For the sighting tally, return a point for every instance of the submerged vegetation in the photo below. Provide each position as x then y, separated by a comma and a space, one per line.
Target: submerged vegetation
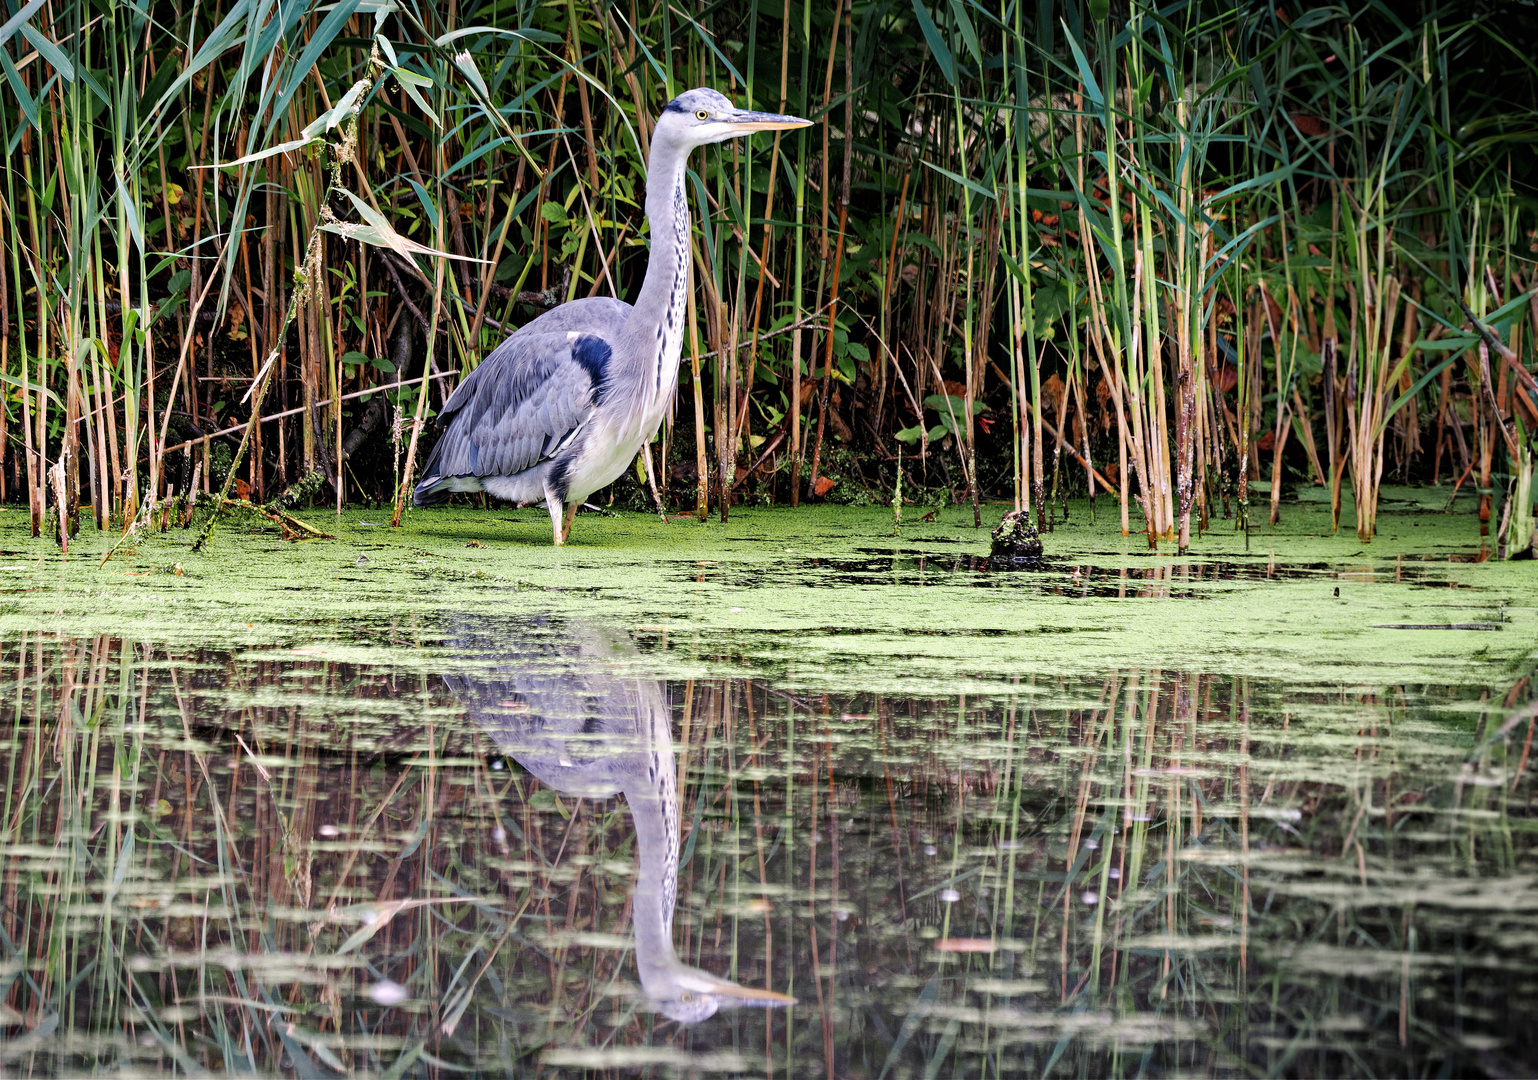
278, 861
1179, 256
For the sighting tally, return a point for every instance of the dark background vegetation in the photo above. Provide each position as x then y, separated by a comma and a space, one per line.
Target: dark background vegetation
1319, 270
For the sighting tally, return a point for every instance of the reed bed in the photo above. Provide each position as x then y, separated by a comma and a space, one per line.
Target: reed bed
1030, 250
217, 863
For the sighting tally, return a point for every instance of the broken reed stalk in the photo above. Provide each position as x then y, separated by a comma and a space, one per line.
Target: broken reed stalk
403, 489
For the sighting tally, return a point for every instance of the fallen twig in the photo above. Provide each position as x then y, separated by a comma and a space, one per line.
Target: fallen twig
290, 523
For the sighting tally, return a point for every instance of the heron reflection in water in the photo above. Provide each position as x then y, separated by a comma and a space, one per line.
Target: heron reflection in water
559, 707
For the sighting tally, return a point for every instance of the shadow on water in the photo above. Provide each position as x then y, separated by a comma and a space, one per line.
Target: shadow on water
546, 856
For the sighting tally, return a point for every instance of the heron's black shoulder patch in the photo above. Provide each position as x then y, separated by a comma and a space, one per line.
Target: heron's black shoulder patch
674, 106
593, 353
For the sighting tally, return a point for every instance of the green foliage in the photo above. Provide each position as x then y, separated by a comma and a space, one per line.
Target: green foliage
1071, 178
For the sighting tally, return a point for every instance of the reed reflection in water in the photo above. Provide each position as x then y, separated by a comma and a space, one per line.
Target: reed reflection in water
278, 862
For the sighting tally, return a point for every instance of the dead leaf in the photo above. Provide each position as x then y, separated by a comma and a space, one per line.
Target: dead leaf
1309, 124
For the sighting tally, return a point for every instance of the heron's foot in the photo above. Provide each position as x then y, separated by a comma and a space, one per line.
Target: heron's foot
557, 525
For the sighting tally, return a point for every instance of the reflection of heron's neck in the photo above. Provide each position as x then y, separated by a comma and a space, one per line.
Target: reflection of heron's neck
653, 801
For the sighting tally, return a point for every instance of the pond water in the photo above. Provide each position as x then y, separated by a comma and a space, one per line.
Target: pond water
793, 797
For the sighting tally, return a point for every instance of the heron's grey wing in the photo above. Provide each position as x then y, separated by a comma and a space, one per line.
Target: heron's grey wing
601, 315
522, 405
550, 701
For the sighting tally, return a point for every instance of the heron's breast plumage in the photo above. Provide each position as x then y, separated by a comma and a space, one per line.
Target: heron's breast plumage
671, 329
636, 393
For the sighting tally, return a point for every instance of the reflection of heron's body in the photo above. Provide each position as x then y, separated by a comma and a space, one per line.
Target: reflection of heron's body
558, 707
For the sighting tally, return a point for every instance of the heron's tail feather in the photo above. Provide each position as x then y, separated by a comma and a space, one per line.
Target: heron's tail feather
437, 489
437, 483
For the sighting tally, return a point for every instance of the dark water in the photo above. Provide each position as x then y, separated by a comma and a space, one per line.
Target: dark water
444, 851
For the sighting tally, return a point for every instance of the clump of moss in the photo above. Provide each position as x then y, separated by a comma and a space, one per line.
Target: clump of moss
1015, 541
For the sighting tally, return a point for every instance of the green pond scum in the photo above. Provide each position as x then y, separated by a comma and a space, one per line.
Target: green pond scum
445, 801
832, 586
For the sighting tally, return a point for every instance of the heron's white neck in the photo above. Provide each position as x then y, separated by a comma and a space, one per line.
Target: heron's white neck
654, 331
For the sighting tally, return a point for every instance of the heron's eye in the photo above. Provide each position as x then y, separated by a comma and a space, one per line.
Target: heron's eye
686, 996
702, 115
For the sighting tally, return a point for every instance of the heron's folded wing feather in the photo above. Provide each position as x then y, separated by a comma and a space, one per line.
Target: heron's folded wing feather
523, 403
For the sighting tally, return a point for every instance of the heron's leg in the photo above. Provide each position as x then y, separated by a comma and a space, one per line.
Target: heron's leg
554, 504
571, 515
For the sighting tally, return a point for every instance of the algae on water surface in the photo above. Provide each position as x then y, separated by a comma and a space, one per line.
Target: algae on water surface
305, 809
831, 591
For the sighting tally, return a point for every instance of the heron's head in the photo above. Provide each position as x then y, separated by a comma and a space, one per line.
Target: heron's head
697, 117
689, 995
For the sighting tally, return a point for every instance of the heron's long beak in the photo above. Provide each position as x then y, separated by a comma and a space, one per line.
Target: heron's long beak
743, 121
752, 995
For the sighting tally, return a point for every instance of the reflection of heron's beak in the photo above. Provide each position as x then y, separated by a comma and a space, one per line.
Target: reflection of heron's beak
744, 121
752, 995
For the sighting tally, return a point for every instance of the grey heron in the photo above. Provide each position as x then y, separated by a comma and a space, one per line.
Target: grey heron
560, 702
562, 406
